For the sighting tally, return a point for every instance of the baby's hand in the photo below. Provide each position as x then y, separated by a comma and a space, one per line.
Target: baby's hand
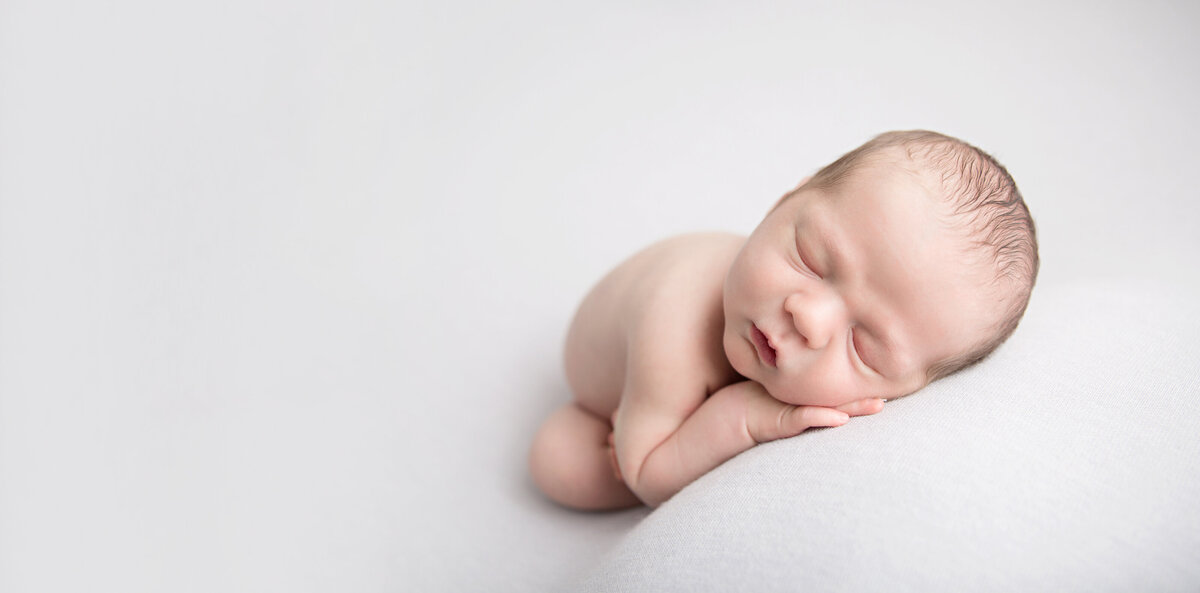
863, 407
732, 420
768, 419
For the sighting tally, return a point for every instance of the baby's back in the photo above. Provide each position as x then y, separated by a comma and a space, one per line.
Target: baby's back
667, 297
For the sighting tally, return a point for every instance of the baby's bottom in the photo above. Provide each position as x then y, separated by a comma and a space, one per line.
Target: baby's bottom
571, 462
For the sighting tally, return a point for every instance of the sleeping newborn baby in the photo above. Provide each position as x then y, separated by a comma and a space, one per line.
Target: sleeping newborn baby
905, 260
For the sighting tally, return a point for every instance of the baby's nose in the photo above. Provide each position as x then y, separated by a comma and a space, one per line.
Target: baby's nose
818, 316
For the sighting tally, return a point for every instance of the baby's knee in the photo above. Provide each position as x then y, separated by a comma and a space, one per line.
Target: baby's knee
545, 455
555, 454
570, 461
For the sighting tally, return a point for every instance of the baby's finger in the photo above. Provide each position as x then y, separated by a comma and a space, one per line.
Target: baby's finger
801, 418
862, 407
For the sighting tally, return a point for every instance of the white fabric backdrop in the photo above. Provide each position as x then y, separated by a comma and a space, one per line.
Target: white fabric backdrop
283, 284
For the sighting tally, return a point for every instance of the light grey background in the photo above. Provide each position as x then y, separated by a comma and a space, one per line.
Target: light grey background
283, 284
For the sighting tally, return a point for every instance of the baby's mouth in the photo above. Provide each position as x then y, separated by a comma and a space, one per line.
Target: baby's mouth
763, 345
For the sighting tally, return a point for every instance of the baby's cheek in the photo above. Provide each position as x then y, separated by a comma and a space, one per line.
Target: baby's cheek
751, 275
763, 279
737, 352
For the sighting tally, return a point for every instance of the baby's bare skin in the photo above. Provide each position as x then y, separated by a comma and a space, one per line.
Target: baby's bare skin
702, 346
645, 349
659, 311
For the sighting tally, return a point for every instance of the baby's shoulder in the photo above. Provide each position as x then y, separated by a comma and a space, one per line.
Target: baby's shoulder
679, 285
681, 269
676, 314
663, 289
702, 246
657, 314
693, 253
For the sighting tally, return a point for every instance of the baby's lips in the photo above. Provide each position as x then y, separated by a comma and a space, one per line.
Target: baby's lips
762, 345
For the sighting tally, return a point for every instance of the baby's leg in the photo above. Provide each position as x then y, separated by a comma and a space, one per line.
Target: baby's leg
571, 462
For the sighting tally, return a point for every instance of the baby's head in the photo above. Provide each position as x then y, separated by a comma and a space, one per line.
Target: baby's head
906, 260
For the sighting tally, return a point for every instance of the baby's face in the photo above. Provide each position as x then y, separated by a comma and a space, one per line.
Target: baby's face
852, 293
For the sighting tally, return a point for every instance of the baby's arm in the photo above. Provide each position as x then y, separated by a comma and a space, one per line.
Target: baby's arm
733, 419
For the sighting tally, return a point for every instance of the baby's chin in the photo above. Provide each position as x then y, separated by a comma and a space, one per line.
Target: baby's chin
786, 396
796, 395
